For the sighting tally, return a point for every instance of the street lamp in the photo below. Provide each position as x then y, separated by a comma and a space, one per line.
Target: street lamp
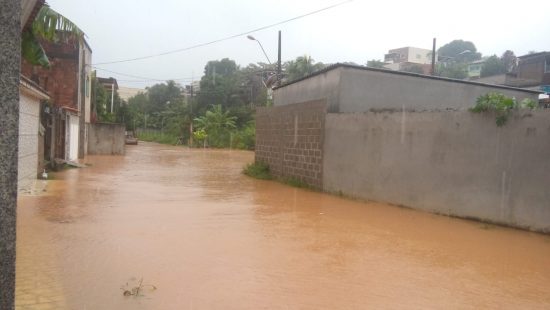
254, 39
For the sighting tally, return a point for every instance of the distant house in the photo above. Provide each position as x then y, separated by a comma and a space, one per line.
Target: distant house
111, 87
68, 83
402, 59
534, 70
474, 69
126, 93
31, 132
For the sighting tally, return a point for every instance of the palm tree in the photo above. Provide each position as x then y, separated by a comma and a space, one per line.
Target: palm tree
217, 124
302, 66
51, 26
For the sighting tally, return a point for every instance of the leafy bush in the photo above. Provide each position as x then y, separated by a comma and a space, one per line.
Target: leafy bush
501, 105
258, 170
245, 138
199, 138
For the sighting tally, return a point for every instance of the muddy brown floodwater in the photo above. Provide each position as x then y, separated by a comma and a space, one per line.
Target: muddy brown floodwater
208, 237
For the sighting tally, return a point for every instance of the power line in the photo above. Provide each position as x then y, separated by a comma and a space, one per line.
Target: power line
227, 38
142, 78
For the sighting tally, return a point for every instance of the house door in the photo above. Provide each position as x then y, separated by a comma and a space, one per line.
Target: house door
60, 126
73, 137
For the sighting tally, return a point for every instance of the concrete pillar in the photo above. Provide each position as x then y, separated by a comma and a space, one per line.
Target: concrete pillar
10, 55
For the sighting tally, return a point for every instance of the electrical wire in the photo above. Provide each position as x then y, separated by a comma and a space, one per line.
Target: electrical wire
142, 78
226, 38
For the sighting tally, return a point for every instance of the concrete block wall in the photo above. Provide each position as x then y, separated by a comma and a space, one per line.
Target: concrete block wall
290, 140
106, 139
454, 163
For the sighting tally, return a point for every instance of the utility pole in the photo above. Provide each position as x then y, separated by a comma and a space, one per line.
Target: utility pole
191, 114
10, 60
112, 95
433, 58
279, 77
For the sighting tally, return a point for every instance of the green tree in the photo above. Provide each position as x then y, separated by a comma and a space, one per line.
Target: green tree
413, 68
459, 51
254, 79
300, 67
374, 63
493, 66
217, 124
221, 83
452, 70
51, 26
161, 96
509, 60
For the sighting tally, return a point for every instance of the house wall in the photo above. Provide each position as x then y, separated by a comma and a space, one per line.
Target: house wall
28, 157
532, 68
84, 96
324, 86
106, 139
349, 89
419, 55
61, 79
363, 90
290, 140
455, 162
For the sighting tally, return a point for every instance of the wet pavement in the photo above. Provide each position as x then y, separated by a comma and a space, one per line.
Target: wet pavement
200, 235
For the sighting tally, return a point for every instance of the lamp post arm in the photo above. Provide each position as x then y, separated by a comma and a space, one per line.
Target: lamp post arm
264, 51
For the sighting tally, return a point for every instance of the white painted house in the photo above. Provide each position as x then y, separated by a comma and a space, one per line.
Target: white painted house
30, 132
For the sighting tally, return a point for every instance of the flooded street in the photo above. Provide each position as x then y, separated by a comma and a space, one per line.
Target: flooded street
207, 237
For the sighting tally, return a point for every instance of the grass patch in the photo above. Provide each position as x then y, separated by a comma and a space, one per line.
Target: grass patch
164, 138
295, 182
258, 170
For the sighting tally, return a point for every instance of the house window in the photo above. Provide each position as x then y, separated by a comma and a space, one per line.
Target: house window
87, 86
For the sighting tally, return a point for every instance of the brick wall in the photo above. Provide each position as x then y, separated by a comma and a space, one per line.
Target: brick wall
290, 138
61, 79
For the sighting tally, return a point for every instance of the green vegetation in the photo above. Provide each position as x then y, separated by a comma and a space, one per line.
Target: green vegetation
459, 51
300, 67
258, 170
374, 63
245, 138
101, 103
220, 114
158, 137
218, 126
413, 69
501, 105
498, 65
454, 58
295, 182
51, 26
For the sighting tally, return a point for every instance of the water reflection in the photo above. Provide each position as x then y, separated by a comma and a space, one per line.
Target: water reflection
188, 222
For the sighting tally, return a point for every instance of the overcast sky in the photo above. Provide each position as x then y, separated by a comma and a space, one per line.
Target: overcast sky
356, 31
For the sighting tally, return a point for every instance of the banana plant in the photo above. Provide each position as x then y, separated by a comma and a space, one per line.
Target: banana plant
51, 26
